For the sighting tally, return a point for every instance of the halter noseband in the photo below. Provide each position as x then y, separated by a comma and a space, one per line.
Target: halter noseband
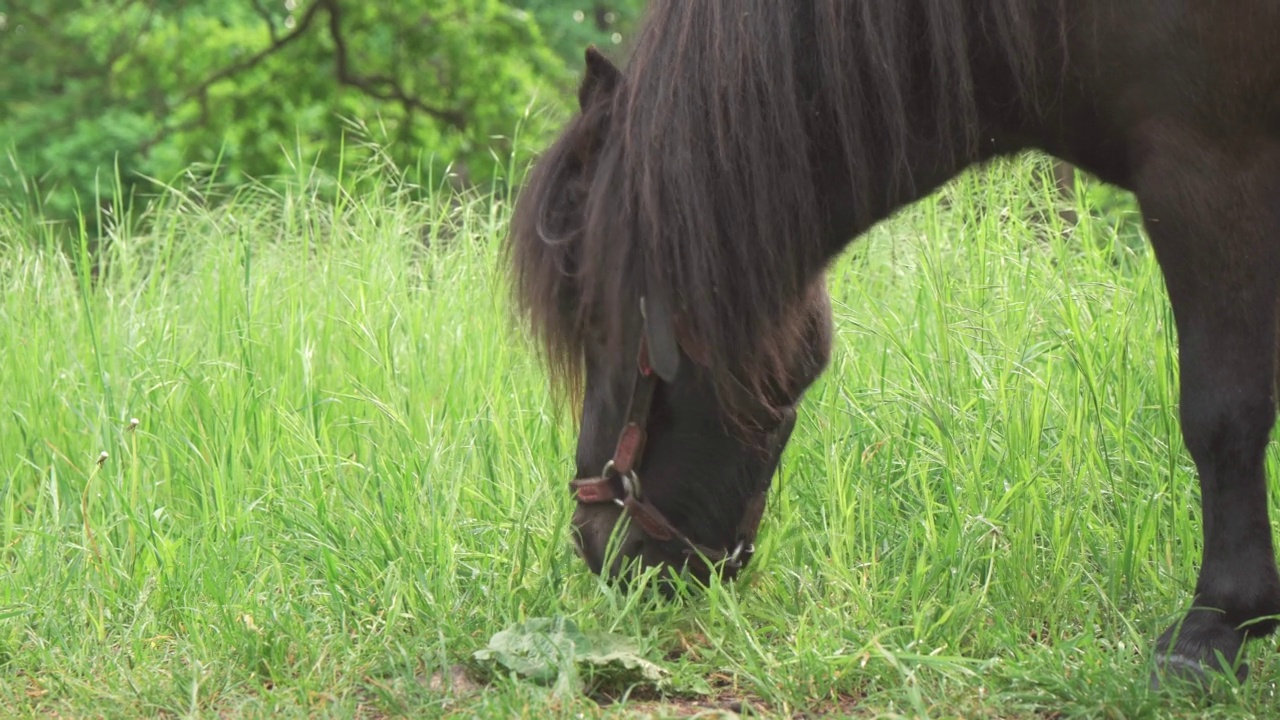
619, 482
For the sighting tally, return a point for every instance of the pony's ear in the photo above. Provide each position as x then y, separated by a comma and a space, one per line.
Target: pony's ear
660, 334
602, 78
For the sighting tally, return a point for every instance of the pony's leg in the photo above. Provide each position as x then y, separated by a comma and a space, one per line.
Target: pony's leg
1213, 216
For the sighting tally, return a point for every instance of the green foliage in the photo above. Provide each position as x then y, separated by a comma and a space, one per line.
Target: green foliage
133, 89
571, 25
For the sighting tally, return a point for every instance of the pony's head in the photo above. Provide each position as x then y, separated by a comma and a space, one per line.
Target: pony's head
674, 438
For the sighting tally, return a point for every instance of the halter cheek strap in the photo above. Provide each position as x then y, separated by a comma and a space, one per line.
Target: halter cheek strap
619, 482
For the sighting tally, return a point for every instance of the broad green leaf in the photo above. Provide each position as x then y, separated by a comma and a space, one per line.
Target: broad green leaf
556, 649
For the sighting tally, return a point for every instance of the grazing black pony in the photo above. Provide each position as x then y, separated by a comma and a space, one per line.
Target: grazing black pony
669, 247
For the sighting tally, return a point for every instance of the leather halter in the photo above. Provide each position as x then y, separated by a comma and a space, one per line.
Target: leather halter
619, 482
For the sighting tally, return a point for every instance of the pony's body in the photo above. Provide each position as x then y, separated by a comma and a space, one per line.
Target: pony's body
748, 142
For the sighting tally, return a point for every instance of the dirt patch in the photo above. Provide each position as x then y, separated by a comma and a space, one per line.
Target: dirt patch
726, 704
708, 708
454, 681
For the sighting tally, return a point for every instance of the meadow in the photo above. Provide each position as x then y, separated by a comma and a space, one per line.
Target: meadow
283, 456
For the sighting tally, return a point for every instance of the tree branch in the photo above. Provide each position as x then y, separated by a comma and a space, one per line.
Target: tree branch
377, 86
266, 15
248, 63
201, 91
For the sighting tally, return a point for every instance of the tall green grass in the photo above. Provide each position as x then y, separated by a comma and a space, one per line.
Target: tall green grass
346, 473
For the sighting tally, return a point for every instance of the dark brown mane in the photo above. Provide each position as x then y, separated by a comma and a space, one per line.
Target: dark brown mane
696, 176
545, 244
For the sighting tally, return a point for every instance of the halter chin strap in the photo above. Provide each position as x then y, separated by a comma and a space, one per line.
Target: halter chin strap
619, 483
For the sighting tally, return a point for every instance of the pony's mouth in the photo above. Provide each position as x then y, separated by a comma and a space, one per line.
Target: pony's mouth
592, 533
615, 546
601, 535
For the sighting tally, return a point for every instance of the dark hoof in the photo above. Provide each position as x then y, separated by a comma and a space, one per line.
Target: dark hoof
1197, 648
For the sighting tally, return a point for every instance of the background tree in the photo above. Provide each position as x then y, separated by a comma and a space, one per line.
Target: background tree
102, 95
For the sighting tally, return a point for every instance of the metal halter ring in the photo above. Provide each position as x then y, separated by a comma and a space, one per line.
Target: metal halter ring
735, 558
630, 482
